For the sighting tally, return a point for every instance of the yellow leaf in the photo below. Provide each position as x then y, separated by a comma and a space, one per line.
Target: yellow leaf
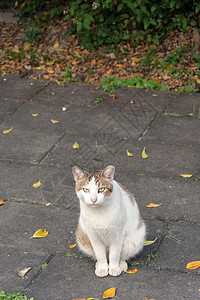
186, 175
50, 70
56, 45
132, 102
7, 131
34, 115
23, 272
76, 145
16, 4
50, 63
58, 82
153, 205
147, 243
110, 293
37, 184
92, 299
39, 233
26, 252
198, 80
144, 155
27, 46
54, 121
39, 68
48, 204
193, 265
71, 246
1, 202
128, 153
133, 271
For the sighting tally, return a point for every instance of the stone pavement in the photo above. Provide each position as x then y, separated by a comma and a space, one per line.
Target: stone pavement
167, 124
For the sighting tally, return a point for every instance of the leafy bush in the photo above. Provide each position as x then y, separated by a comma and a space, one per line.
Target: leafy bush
107, 22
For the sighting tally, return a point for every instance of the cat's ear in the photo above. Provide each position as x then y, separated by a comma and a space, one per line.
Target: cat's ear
109, 172
78, 173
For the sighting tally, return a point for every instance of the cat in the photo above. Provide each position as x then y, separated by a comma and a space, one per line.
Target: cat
110, 226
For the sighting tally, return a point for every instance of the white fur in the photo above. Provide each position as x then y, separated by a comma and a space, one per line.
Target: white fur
112, 227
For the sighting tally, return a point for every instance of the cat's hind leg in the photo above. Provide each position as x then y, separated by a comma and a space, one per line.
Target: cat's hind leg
84, 242
133, 244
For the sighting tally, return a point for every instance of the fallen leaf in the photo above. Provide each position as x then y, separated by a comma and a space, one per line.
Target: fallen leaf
26, 252
147, 243
144, 155
71, 246
54, 121
128, 153
92, 299
79, 299
153, 205
58, 82
132, 102
56, 45
22, 273
132, 271
198, 80
193, 265
37, 184
50, 70
76, 145
1, 202
186, 175
34, 115
112, 96
39, 233
64, 108
110, 293
48, 204
7, 131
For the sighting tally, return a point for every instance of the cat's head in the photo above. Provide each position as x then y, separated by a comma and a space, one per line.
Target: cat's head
94, 188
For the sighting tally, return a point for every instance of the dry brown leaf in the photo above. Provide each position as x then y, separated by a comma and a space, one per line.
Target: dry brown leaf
193, 265
112, 96
22, 273
110, 293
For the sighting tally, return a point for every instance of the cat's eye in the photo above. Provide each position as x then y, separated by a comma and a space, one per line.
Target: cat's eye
85, 190
101, 190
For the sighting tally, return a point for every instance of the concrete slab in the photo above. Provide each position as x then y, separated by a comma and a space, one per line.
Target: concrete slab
185, 103
175, 130
58, 281
18, 222
70, 94
13, 259
6, 108
140, 100
179, 247
20, 89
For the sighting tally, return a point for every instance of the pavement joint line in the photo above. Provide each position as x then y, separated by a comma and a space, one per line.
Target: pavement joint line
154, 119
38, 273
12, 112
52, 147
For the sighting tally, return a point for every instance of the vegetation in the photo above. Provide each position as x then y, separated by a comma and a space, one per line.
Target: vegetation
13, 296
119, 28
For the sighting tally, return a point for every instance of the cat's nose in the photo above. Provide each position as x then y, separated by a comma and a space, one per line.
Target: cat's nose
94, 200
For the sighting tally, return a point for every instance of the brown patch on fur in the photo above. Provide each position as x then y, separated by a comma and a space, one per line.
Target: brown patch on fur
83, 240
140, 222
100, 180
128, 192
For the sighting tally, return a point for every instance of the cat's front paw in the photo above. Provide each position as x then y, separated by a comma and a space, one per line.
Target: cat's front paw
101, 272
116, 271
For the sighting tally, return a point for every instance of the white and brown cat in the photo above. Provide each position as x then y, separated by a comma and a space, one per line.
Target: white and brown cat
110, 226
